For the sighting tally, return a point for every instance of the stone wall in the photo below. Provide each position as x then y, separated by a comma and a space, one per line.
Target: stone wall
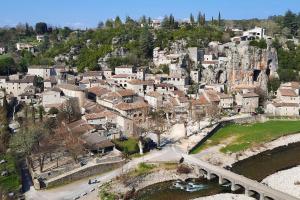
83, 172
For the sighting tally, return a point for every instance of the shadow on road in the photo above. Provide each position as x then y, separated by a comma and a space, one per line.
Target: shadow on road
26, 178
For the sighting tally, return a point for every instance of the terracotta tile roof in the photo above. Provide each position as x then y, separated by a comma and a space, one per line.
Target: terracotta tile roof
249, 95
203, 100
52, 79
78, 127
26, 79
288, 92
94, 141
98, 91
121, 76
183, 99
179, 93
88, 81
124, 66
212, 95
282, 104
224, 96
210, 62
126, 92
154, 94
92, 107
164, 85
140, 82
100, 115
295, 85
131, 106
69, 87
93, 73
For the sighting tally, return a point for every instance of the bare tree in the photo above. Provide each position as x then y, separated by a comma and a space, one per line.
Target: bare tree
71, 109
158, 123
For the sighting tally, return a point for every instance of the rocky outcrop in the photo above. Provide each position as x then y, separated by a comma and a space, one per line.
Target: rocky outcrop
246, 66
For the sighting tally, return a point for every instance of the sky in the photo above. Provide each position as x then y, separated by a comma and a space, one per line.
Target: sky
87, 13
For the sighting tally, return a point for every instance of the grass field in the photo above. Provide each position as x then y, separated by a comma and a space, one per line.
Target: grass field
241, 137
131, 144
12, 181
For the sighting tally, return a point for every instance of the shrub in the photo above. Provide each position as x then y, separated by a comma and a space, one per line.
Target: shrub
53, 111
183, 169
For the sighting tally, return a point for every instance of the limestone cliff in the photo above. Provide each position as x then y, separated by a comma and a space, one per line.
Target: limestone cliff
245, 66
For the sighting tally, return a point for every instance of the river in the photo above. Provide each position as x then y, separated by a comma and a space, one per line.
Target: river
256, 167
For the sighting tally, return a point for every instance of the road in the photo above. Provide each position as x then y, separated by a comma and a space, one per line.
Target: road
77, 188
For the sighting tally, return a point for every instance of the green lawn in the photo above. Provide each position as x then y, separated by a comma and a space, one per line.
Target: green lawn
11, 182
241, 137
131, 144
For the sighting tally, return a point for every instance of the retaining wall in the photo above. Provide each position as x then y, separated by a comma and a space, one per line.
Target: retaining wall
83, 172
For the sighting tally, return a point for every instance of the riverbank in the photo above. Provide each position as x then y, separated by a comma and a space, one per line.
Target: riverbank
145, 175
214, 155
287, 181
226, 197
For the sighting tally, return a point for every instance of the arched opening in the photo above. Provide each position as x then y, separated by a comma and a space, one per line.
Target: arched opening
256, 73
254, 194
239, 188
224, 182
213, 176
203, 171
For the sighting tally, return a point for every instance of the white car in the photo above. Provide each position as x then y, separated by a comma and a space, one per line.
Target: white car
92, 190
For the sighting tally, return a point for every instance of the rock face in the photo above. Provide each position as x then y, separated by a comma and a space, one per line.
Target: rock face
246, 66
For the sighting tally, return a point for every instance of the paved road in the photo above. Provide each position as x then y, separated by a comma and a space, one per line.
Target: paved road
77, 188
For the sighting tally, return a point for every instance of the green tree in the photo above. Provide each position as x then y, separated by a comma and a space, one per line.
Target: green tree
219, 19
146, 43
192, 19
53, 111
41, 113
118, 22
273, 84
41, 28
7, 65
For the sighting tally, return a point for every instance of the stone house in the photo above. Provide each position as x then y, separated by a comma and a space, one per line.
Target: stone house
247, 102
24, 46
70, 90
154, 99
29, 95
283, 109
124, 69
96, 143
52, 98
136, 111
92, 75
110, 99
122, 79
88, 83
164, 88
288, 95
178, 81
50, 82
140, 87
15, 85
42, 71
101, 118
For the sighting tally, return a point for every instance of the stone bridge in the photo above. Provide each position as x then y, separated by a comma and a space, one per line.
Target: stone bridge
236, 181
